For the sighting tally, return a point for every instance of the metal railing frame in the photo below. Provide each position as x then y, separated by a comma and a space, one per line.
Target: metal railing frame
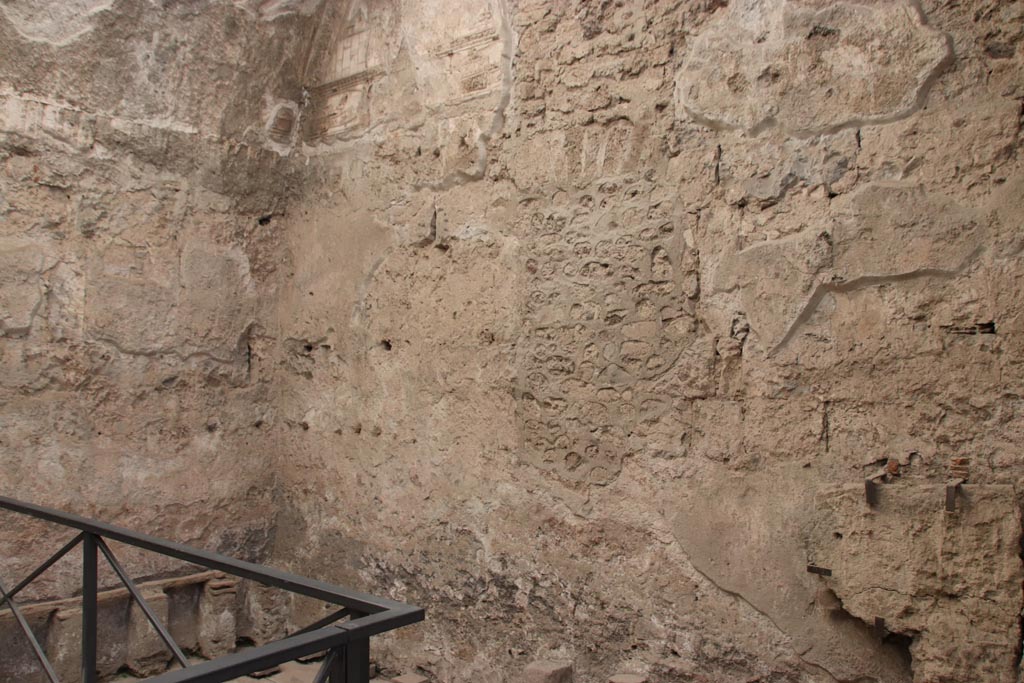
347, 644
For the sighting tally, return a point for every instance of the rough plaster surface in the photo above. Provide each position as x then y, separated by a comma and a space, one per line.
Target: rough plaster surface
137, 201
596, 369
581, 324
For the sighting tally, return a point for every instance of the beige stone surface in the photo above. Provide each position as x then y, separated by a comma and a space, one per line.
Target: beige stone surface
722, 258
628, 678
580, 324
134, 176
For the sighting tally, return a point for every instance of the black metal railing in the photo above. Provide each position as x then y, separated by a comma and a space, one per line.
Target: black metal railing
346, 644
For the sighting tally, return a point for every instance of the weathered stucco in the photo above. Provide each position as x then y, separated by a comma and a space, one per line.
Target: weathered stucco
581, 324
137, 203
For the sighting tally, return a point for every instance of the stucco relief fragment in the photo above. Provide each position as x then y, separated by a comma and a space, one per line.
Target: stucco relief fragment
22, 289
883, 233
57, 23
382, 61
809, 67
610, 310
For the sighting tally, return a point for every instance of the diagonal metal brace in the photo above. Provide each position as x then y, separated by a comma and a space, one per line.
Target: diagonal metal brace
68, 547
147, 610
5, 597
326, 667
326, 621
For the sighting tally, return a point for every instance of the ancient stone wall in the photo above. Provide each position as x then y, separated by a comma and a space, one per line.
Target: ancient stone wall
604, 313
140, 201
667, 337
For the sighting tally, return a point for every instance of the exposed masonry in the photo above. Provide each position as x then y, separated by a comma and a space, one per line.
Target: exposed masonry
205, 613
673, 340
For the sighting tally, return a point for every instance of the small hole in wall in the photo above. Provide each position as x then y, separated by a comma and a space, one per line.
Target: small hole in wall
357, 428
265, 220
308, 347
385, 344
901, 643
837, 535
304, 425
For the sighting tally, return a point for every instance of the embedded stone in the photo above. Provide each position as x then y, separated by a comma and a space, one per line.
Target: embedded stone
409, 678
548, 672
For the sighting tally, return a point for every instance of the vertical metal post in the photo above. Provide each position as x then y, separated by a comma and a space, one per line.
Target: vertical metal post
89, 609
357, 661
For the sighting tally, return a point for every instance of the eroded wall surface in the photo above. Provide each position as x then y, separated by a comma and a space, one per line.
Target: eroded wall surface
669, 337
601, 314
140, 196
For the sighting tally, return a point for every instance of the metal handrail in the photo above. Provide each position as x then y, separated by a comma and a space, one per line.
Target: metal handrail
347, 644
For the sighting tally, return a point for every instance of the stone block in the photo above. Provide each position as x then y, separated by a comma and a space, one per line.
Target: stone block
182, 615
17, 662
147, 653
217, 624
548, 672
409, 678
64, 638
